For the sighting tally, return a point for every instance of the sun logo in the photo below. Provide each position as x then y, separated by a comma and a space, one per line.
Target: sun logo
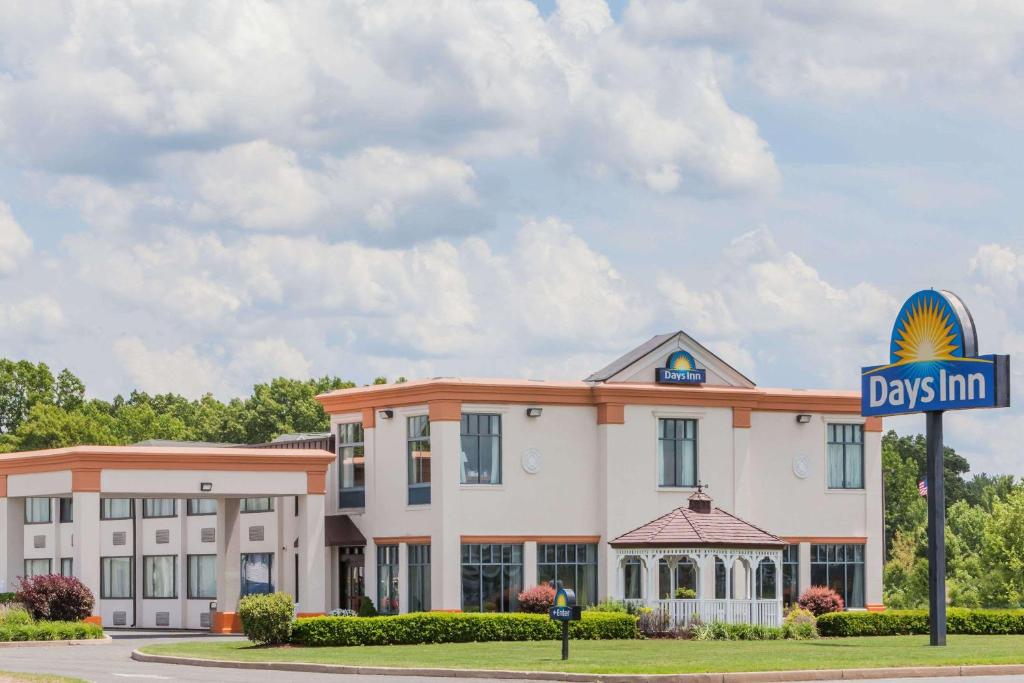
681, 360
924, 333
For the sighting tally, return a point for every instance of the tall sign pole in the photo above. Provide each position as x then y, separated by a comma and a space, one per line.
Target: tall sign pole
936, 529
933, 367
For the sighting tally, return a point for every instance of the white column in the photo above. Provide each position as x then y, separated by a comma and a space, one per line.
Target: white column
403, 578
229, 574
777, 561
530, 564
12, 542
313, 592
370, 570
741, 467
446, 539
706, 587
86, 542
804, 570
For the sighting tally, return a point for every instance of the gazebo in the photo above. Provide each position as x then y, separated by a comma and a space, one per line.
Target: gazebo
701, 561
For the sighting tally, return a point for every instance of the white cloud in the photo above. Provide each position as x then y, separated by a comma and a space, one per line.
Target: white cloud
37, 317
182, 370
999, 269
15, 245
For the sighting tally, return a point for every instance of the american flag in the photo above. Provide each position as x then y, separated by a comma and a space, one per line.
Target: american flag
922, 487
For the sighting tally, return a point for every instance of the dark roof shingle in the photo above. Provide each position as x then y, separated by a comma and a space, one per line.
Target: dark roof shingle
685, 527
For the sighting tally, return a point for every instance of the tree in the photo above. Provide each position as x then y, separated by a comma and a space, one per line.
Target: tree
23, 385
955, 465
69, 391
49, 426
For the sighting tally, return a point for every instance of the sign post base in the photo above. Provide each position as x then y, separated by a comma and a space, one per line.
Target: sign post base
936, 529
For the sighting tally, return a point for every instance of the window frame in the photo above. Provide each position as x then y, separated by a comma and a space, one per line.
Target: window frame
791, 560
27, 560
242, 503
464, 434
66, 504
512, 589
188, 507
49, 510
418, 491
393, 564
103, 576
147, 515
189, 595
832, 549
146, 565
351, 497
661, 418
557, 550
104, 514
71, 566
858, 429
270, 573
419, 561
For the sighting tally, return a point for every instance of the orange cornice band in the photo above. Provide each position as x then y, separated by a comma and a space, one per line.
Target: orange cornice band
85, 480
316, 482
611, 414
741, 418
369, 418
872, 424
395, 540
445, 411
3, 485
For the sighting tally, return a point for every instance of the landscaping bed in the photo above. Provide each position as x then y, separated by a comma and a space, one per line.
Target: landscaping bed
908, 622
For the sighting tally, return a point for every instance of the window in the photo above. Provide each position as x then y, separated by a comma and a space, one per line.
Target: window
37, 568
202, 506
116, 578
419, 577
572, 565
765, 580
677, 450
419, 459
67, 507
387, 579
481, 449
492, 577
632, 577
116, 508
160, 576
256, 573
67, 566
680, 584
840, 567
845, 456
37, 511
159, 507
790, 574
202, 576
256, 505
352, 469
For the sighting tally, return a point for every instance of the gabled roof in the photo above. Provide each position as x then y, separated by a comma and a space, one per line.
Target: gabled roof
652, 345
686, 528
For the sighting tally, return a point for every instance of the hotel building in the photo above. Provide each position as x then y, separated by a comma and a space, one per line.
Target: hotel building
666, 477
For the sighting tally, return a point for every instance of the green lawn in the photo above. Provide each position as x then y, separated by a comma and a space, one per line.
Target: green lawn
635, 656
12, 677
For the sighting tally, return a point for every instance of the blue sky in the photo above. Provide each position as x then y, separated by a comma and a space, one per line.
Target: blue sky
197, 197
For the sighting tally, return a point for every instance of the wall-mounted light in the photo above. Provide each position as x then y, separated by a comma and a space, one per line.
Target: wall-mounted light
206, 486
386, 414
534, 412
803, 418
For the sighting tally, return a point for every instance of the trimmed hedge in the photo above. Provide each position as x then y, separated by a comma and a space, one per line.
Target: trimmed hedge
441, 627
7, 598
910, 622
50, 630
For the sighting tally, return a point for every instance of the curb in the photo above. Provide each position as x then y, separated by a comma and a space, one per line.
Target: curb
736, 677
105, 640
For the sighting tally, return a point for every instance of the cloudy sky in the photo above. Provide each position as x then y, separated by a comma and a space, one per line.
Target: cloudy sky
195, 197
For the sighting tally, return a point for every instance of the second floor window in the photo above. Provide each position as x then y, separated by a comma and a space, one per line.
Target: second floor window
256, 505
37, 511
677, 452
845, 456
67, 510
352, 465
116, 508
481, 449
158, 507
202, 506
418, 439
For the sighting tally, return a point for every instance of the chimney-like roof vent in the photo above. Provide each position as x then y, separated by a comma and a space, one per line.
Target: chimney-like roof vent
700, 501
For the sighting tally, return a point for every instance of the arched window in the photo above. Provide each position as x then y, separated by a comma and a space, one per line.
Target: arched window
765, 581
632, 578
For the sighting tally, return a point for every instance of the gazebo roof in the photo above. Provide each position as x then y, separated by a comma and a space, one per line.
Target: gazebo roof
687, 527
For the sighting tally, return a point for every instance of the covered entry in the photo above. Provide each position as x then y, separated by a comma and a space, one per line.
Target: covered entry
160, 535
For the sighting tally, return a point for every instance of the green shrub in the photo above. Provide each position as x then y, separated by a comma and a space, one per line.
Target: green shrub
366, 608
907, 622
800, 624
50, 630
612, 605
441, 627
684, 593
8, 597
14, 615
718, 630
267, 619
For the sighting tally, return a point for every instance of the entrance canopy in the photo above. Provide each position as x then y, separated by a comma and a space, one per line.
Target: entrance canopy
164, 472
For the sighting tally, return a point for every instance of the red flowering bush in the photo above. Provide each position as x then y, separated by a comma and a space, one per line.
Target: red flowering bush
51, 597
537, 600
820, 600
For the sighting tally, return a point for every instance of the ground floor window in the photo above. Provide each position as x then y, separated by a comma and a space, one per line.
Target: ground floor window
685, 585
256, 573
572, 565
202, 576
419, 577
37, 567
116, 578
492, 577
159, 576
839, 566
67, 566
790, 574
387, 579
632, 578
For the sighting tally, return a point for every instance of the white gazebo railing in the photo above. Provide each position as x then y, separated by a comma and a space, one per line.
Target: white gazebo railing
642, 570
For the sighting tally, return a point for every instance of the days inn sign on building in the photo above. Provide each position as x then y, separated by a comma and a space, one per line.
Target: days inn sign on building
680, 368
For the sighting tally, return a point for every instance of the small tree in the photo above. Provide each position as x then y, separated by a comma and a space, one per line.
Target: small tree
820, 600
537, 599
267, 619
51, 597
366, 608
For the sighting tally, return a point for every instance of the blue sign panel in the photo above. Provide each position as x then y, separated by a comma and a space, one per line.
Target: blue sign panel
681, 368
933, 362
